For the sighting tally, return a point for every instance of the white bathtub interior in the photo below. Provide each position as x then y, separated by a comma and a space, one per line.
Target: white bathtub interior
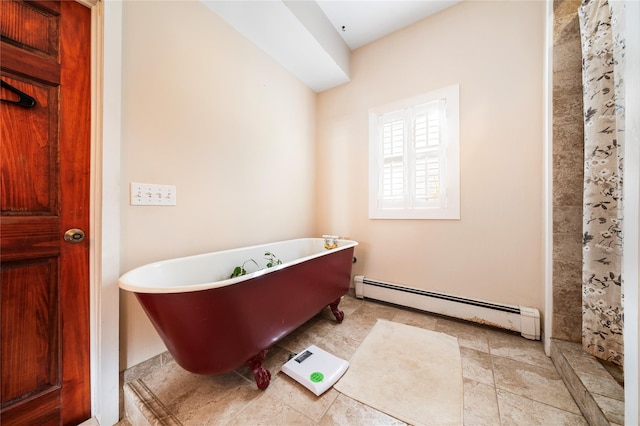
193, 273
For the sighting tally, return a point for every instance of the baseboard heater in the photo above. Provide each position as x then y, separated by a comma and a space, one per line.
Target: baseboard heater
511, 317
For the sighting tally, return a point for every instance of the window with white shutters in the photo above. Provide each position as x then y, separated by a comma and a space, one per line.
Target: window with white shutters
413, 158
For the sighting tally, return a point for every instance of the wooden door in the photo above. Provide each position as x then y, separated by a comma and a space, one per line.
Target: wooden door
44, 166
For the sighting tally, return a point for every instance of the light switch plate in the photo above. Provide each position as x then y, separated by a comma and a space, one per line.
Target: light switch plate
149, 194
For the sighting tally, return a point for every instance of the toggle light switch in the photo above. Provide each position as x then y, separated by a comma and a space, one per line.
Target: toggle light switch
148, 194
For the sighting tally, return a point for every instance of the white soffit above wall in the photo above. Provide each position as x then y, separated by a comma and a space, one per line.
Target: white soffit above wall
367, 20
296, 34
307, 37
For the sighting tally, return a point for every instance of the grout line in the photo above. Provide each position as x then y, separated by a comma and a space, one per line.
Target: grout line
149, 405
495, 383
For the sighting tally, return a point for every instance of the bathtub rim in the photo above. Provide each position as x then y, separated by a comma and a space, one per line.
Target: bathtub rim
125, 283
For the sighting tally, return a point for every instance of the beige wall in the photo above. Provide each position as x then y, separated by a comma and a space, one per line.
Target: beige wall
494, 50
206, 111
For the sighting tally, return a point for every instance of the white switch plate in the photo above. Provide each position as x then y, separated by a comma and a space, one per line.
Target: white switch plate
149, 194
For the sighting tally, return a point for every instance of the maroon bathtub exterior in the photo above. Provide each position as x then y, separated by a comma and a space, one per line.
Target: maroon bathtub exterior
218, 330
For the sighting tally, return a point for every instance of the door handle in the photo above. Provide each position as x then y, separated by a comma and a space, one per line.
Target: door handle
74, 235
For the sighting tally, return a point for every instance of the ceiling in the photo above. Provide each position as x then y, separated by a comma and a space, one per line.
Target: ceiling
367, 20
314, 39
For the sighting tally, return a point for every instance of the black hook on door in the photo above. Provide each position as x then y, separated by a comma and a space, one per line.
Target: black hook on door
24, 100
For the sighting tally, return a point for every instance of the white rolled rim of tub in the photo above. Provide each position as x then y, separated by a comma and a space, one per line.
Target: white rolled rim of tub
125, 282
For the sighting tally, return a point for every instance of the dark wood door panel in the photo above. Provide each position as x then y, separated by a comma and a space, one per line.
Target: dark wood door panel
31, 39
29, 150
30, 347
46, 413
29, 237
36, 67
32, 26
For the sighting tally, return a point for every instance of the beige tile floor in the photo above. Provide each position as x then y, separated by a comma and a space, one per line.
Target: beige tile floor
508, 380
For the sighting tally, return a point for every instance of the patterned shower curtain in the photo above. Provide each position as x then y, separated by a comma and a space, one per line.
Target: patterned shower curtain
602, 283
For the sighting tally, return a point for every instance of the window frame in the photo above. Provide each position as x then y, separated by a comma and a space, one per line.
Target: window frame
447, 206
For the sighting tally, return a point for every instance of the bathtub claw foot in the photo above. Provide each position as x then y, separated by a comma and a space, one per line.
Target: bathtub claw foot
337, 312
261, 375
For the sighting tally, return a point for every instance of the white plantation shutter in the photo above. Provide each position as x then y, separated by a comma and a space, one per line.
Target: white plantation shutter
429, 153
392, 184
411, 156
414, 170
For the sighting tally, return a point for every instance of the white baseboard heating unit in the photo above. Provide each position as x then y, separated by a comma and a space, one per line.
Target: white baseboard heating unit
511, 317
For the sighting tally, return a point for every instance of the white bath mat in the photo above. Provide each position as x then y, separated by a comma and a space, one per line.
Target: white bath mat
412, 374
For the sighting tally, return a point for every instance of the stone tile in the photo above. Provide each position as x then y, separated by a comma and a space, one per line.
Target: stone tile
568, 119
300, 398
416, 319
536, 383
348, 305
569, 137
567, 299
200, 399
334, 337
568, 82
568, 274
516, 347
585, 402
567, 247
307, 334
613, 409
616, 371
593, 375
564, 8
275, 359
142, 408
567, 55
346, 411
567, 327
322, 329
567, 49
518, 410
480, 404
469, 335
567, 111
166, 357
377, 310
144, 368
340, 339
269, 410
358, 324
568, 190
567, 219
340, 343
566, 25
477, 366
567, 165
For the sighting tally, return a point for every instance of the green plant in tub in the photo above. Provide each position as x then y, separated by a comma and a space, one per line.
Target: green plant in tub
272, 260
239, 270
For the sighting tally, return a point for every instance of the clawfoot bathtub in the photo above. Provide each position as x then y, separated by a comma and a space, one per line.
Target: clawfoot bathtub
213, 324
